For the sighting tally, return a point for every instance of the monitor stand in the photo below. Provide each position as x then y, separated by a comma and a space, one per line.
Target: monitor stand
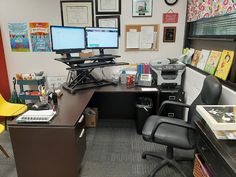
101, 53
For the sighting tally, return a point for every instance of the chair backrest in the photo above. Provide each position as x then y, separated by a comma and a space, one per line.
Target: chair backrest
2, 100
209, 95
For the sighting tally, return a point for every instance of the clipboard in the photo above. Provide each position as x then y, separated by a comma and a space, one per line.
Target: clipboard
142, 37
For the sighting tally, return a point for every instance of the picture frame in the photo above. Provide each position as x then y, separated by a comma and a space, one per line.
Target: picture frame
108, 21
169, 34
142, 8
108, 7
77, 13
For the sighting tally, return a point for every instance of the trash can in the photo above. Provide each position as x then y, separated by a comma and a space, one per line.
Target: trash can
144, 109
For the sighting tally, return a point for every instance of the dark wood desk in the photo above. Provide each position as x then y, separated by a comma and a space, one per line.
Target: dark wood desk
56, 149
219, 155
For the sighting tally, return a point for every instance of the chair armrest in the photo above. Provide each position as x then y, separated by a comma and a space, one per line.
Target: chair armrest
171, 121
165, 103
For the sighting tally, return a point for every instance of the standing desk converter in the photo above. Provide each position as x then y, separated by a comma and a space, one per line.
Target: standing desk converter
56, 149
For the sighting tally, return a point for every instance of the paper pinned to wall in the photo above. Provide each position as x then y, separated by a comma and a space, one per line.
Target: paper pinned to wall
146, 37
132, 40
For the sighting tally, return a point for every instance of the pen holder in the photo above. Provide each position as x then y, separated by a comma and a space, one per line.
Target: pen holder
43, 99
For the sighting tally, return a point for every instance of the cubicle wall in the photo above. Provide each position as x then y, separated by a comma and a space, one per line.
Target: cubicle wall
193, 82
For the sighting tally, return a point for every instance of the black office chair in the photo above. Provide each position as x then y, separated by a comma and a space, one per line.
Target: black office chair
176, 133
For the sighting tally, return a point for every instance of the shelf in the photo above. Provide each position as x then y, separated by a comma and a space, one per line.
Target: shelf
28, 97
212, 39
98, 66
31, 82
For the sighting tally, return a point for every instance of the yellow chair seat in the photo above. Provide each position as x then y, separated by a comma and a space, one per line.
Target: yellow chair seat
10, 109
2, 128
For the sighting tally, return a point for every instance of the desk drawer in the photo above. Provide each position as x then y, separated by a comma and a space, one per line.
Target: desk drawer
214, 162
81, 146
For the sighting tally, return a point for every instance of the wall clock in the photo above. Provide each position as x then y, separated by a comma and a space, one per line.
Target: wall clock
171, 2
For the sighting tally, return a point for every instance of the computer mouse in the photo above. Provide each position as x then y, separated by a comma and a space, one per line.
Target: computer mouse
35, 106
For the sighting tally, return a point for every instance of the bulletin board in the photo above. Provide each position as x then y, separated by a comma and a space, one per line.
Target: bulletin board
142, 37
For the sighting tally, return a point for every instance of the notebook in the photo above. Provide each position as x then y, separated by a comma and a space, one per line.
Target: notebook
36, 116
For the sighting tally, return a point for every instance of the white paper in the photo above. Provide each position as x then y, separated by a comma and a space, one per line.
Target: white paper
108, 23
146, 37
132, 40
149, 89
109, 5
77, 15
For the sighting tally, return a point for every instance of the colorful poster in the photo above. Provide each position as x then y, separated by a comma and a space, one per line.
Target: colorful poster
40, 39
19, 38
198, 9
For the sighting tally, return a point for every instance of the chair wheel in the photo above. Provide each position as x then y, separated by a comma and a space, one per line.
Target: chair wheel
144, 156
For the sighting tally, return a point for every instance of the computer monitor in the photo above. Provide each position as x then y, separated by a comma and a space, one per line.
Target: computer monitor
101, 38
66, 40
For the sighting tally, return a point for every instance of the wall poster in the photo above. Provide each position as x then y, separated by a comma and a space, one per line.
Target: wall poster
40, 39
19, 39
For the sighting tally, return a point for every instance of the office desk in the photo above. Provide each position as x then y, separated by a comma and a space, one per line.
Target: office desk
219, 155
56, 149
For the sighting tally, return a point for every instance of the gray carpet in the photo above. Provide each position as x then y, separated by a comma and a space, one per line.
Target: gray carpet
113, 150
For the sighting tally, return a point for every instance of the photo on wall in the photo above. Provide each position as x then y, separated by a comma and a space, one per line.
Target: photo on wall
169, 34
142, 8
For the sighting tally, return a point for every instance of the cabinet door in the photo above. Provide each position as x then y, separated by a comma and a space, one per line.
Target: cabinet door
4, 82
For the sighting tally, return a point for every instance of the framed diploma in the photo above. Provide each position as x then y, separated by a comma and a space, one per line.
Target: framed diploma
108, 21
77, 13
108, 6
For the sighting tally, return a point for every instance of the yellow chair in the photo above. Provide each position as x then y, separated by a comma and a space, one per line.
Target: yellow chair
10, 109
1, 148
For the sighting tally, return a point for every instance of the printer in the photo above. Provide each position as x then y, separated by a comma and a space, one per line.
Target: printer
168, 72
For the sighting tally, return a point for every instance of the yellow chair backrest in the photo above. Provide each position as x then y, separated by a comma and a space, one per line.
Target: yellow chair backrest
2, 128
10, 109
2, 100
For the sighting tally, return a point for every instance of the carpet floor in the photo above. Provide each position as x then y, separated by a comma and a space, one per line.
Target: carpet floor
113, 150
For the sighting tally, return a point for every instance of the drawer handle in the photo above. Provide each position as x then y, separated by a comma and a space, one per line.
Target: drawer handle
82, 133
171, 97
171, 115
81, 119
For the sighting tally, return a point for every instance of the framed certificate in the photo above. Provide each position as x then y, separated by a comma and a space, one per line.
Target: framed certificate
108, 21
77, 13
108, 6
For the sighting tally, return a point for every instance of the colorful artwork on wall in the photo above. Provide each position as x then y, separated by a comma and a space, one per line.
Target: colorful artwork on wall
198, 9
40, 39
19, 39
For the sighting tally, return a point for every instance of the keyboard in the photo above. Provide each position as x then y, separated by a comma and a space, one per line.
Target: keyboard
82, 65
31, 116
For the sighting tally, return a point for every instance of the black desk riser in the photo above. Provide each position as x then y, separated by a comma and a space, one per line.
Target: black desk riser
83, 69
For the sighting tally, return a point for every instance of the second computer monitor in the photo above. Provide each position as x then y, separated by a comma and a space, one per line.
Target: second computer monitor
102, 38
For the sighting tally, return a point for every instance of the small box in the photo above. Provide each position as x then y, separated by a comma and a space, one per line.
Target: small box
91, 117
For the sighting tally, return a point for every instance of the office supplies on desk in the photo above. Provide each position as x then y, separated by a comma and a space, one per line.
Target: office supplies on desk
31, 116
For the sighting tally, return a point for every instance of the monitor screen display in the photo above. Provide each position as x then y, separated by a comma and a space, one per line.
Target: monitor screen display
67, 39
106, 38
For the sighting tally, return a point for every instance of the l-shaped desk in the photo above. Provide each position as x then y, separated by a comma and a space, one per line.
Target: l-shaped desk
56, 149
